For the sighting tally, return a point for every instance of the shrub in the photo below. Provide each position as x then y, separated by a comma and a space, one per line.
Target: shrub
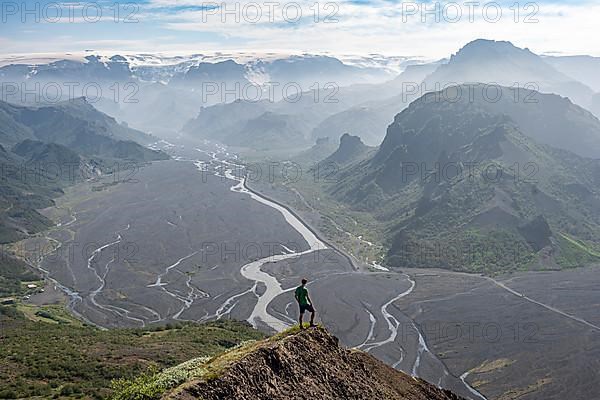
8, 394
143, 387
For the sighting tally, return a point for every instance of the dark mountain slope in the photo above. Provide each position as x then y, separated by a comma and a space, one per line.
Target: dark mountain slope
11, 130
23, 189
78, 126
305, 365
34, 151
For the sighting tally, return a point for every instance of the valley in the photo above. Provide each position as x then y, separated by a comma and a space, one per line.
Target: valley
188, 240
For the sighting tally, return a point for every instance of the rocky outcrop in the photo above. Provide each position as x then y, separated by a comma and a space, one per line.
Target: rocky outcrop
307, 365
351, 149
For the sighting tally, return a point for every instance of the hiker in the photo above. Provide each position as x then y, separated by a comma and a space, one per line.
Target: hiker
305, 303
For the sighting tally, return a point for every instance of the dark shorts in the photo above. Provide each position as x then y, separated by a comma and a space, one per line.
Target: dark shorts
306, 307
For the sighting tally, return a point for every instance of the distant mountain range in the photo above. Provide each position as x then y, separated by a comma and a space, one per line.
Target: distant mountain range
470, 185
367, 109
262, 124
481, 61
281, 68
159, 95
502, 63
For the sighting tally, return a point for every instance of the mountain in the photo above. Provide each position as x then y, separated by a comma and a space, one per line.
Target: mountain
43, 149
254, 125
217, 121
362, 109
152, 107
595, 107
23, 189
547, 118
502, 63
227, 73
461, 185
351, 149
369, 118
413, 75
367, 109
92, 68
78, 126
582, 68
160, 94
322, 148
308, 70
271, 131
307, 364
36, 152
304, 69
544, 117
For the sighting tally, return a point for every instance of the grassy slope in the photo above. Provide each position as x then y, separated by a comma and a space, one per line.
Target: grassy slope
58, 357
154, 384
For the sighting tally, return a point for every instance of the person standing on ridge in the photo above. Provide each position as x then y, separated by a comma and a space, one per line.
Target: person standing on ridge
305, 303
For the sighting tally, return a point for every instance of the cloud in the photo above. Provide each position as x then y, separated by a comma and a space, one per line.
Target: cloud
349, 26
394, 28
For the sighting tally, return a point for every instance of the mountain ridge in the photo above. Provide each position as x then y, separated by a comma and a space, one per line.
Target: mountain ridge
502, 63
77, 125
350, 149
430, 185
308, 364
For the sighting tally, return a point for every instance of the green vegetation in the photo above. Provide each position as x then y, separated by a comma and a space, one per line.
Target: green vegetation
152, 384
575, 253
52, 314
54, 356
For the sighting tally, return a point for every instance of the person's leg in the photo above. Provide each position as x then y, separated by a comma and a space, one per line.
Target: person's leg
312, 318
300, 319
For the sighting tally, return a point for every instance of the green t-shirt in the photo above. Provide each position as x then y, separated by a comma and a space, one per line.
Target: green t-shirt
302, 295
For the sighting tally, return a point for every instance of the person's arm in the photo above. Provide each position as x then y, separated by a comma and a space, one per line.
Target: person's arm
309, 299
296, 296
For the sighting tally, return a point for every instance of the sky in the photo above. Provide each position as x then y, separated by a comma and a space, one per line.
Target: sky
429, 30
